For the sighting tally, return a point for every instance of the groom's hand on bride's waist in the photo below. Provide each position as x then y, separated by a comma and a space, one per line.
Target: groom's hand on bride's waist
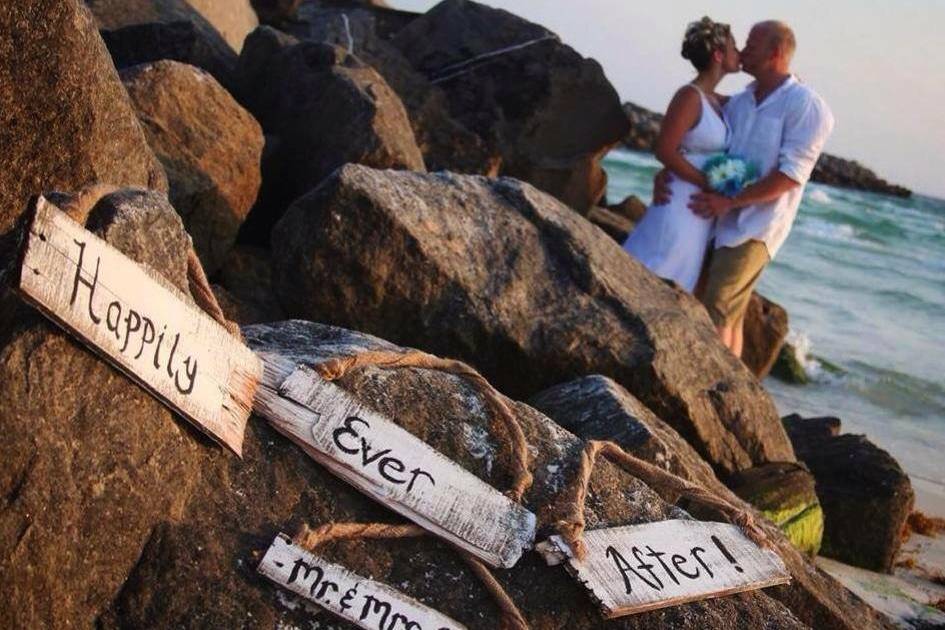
661, 192
710, 205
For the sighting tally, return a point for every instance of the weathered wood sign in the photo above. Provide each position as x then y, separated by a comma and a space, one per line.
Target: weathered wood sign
139, 324
367, 604
642, 567
396, 468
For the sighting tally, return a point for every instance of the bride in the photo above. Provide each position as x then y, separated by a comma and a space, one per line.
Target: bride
671, 239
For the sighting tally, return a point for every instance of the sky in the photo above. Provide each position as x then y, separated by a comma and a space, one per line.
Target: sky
879, 65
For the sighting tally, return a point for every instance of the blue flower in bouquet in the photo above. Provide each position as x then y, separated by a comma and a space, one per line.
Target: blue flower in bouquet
729, 174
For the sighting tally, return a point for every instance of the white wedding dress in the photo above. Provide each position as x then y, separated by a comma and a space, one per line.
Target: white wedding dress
671, 239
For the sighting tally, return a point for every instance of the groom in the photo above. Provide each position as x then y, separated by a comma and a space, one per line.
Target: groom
781, 125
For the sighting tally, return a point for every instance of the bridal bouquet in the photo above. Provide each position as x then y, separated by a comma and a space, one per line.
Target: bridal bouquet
729, 174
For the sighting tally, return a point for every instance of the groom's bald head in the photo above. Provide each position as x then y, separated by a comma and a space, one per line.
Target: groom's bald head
779, 36
769, 48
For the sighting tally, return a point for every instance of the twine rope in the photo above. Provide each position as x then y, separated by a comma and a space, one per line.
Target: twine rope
571, 528
335, 368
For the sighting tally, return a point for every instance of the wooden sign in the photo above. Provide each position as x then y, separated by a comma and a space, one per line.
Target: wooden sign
396, 468
642, 567
365, 603
139, 324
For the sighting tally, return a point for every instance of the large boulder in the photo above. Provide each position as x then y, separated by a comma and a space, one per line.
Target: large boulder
785, 494
446, 144
180, 40
766, 327
247, 279
229, 21
320, 108
65, 120
211, 556
595, 407
209, 145
508, 278
549, 112
91, 462
865, 494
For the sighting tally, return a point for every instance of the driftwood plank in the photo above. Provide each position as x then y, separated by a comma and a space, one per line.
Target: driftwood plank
366, 603
642, 567
396, 468
145, 329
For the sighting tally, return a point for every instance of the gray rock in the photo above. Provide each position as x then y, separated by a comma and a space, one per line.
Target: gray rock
595, 407
766, 327
181, 40
865, 494
550, 113
325, 108
228, 21
209, 145
509, 279
446, 144
65, 120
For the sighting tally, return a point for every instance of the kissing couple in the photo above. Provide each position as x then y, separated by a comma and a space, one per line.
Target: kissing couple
711, 228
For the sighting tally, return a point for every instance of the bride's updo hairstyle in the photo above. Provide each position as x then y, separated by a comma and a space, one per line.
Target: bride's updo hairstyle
702, 39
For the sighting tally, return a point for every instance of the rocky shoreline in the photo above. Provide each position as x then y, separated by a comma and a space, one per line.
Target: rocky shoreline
353, 179
830, 169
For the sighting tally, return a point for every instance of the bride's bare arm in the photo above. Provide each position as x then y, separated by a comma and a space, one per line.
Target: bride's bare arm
681, 115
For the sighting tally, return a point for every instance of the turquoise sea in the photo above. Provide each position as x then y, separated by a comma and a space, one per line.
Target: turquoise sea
862, 277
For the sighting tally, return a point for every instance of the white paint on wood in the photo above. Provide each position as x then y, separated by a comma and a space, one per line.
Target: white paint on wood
116, 308
368, 604
396, 468
642, 567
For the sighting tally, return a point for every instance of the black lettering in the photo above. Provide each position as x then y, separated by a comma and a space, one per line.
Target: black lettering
157, 348
89, 285
659, 558
416, 472
346, 429
678, 561
108, 318
191, 374
170, 358
699, 560
350, 594
302, 565
390, 462
147, 336
398, 617
625, 570
365, 449
725, 552
646, 567
327, 584
369, 600
129, 327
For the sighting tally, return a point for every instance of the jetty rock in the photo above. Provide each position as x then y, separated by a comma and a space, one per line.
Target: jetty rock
597, 408
865, 494
506, 277
446, 144
180, 40
226, 21
210, 148
320, 108
67, 121
92, 462
549, 112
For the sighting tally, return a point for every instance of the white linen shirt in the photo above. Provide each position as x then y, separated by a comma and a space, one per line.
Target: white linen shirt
787, 132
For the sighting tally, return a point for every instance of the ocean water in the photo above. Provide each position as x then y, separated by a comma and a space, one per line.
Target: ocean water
862, 277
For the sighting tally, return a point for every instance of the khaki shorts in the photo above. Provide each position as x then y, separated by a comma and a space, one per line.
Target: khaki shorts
731, 275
